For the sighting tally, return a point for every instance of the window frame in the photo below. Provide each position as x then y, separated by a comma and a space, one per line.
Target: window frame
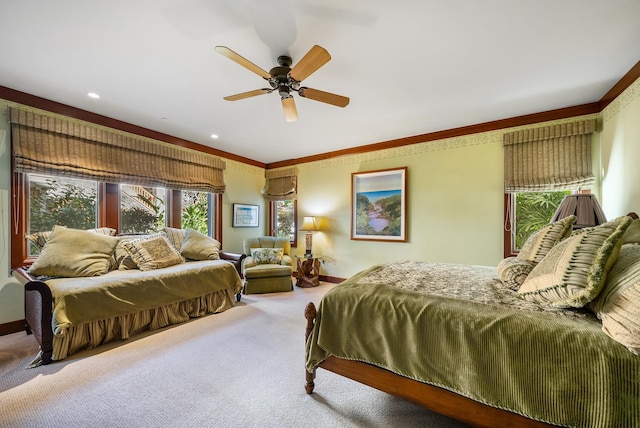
273, 217
509, 249
108, 207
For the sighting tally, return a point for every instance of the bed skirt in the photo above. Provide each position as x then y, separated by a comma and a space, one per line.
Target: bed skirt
92, 334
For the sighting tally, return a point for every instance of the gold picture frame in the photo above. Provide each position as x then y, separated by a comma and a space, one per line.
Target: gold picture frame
379, 205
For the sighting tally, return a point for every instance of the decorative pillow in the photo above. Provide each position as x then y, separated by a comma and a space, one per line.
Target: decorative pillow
574, 271
632, 235
39, 239
512, 271
122, 258
198, 246
618, 305
267, 256
153, 253
175, 236
538, 245
74, 253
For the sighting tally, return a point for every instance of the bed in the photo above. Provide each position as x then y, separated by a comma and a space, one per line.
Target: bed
456, 340
85, 290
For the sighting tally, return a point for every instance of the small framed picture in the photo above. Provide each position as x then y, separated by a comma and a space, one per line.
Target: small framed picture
378, 205
245, 215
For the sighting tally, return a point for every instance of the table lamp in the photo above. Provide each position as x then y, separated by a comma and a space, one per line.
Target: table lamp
584, 206
308, 226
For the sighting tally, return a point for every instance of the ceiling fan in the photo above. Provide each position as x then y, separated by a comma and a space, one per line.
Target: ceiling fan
286, 80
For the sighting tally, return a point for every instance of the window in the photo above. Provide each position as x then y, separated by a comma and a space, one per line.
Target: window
539, 164
283, 220
60, 201
142, 209
196, 210
532, 211
85, 204
41, 143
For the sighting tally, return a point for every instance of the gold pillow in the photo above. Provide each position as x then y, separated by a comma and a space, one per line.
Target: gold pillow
198, 246
513, 271
74, 253
540, 243
152, 253
632, 235
175, 236
39, 239
574, 271
618, 304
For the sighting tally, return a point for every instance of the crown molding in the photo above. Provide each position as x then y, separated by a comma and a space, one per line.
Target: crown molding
495, 125
617, 89
563, 113
29, 100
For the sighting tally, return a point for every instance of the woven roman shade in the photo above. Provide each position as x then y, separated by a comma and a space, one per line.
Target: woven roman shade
280, 184
49, 144
549, 158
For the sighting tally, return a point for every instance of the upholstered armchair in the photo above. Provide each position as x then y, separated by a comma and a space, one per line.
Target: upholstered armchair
267, 267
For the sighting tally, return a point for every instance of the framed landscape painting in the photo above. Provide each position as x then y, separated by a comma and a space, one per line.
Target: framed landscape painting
378, 205
245, 215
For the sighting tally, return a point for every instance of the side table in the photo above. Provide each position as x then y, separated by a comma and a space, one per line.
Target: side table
308, 272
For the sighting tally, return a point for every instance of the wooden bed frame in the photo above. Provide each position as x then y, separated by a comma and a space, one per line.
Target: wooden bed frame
439, 400
38, 305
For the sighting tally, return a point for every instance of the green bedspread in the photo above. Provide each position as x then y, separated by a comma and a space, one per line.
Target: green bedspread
81, 300
459, 328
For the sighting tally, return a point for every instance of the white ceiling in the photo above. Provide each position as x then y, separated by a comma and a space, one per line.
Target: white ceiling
409, 66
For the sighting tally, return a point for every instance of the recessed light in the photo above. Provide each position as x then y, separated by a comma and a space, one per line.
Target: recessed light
93, 95
214, 136
164, 119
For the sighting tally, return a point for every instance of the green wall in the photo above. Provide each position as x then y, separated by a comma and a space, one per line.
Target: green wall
620, 140
454, 198
11, 297
244, 186
454, 204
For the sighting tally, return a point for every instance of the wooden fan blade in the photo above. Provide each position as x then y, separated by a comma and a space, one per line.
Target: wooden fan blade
243, 61
324, 97
248, 94
289, 107
313, 60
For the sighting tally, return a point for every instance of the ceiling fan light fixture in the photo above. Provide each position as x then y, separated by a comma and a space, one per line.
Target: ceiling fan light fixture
285, 79
290, 110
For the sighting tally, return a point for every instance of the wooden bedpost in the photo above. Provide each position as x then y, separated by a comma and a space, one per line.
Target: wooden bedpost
310, 314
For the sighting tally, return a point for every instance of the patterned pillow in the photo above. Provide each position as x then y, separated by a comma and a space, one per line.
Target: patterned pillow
574, 271
618, 305
197, 246
153, 253
267, 256
39, 239
513, 271
538, 245
175, 236
72, 253
122, 258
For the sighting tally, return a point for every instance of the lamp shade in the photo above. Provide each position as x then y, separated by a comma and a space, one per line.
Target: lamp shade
584, 206
309, 225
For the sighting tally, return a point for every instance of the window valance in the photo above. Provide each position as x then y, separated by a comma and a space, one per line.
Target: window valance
549, 158
280, 184
50, 144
